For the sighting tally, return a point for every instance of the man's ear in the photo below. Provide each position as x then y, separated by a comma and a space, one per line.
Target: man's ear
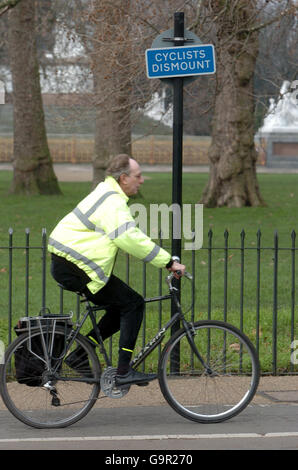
122, 179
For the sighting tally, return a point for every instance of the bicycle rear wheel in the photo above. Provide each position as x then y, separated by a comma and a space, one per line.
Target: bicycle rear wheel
222, 389
61, 397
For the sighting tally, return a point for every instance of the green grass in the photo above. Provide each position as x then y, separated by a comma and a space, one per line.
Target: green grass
281, 195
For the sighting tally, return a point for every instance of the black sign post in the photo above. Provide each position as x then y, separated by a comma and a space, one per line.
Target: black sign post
177, 173
177, 134
177, 82
178, 68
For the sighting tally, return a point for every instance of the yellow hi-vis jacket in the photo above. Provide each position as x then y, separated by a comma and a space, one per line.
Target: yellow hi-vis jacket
92, 233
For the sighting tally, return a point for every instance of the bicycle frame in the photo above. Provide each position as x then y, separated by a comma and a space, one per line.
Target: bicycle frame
156, 340
145, 351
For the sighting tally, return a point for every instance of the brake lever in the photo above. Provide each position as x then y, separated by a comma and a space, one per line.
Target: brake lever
186, 274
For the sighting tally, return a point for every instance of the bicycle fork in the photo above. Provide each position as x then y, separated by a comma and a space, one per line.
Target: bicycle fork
190, 333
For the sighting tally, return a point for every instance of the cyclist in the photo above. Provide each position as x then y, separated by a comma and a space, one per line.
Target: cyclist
84, 245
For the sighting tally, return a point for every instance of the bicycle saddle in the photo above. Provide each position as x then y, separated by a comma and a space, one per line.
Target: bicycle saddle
70, 290
82, 294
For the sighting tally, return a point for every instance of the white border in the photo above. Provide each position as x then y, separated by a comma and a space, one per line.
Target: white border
184, 74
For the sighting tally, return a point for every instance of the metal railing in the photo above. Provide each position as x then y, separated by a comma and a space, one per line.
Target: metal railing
217, 287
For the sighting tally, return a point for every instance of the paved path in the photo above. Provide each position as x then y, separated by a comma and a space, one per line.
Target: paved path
268, 426
142, 420
84, 172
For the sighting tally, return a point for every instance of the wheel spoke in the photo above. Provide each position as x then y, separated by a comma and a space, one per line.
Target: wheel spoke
62, 397
196, 392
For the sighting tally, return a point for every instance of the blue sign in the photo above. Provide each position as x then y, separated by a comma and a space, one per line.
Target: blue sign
183, 61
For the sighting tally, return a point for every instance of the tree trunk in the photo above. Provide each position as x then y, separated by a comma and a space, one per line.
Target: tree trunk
232, 154
33, 169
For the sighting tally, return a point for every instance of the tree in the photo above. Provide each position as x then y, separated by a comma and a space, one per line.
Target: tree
232, 154
118, 66
33, 169
115, 34
232, 180
112, 88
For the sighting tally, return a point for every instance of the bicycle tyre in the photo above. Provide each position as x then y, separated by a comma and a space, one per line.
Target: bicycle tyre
34, 405
195, 394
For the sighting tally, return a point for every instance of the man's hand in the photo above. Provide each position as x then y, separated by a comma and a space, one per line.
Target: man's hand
177, 267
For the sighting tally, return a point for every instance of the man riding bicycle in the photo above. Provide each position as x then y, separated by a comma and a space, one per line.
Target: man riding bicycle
84, 246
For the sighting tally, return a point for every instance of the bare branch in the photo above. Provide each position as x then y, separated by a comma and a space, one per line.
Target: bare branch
288, 11
6, 5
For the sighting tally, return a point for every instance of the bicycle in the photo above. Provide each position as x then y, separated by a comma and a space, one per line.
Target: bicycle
208, 370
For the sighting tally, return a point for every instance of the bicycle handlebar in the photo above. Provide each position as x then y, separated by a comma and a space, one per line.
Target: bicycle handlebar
171, 276
186, 274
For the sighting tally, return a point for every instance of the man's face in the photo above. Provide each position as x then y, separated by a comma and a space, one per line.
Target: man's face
130, 183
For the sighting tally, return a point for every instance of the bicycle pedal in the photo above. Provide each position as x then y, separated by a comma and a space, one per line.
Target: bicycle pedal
142, 384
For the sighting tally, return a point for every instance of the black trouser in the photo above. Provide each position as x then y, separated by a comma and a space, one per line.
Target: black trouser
125, 311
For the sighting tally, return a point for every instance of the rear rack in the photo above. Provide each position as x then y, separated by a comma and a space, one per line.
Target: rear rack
48, 316
47, 324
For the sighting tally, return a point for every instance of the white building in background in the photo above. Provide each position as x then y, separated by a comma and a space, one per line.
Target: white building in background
73, 76
282, 116
156, 109
278, 137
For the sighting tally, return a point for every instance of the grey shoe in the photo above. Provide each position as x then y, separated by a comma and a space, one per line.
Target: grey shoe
134, 377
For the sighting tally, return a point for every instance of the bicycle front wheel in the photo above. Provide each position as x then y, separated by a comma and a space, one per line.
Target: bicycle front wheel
57, 397
217, 386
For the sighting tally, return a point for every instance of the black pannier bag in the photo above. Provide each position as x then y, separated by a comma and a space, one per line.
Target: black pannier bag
29, 367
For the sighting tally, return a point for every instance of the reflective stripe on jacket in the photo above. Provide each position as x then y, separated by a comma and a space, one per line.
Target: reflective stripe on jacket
92, 233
